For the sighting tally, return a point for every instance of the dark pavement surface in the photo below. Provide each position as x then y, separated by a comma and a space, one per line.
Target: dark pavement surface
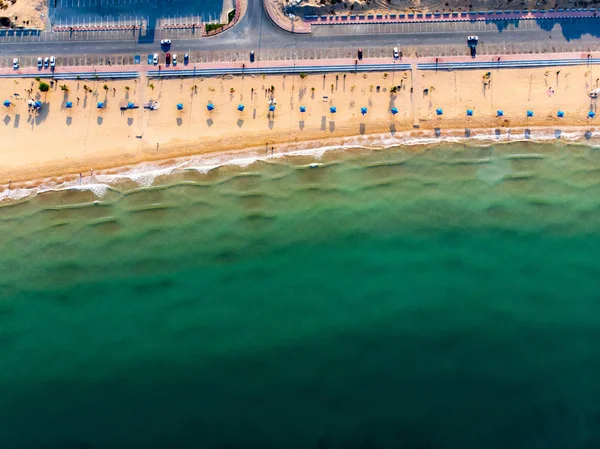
255, 31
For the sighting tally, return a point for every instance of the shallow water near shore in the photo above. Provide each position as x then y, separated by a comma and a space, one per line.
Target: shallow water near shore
434, 297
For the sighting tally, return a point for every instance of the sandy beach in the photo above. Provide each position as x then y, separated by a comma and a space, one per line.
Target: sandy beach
55, 141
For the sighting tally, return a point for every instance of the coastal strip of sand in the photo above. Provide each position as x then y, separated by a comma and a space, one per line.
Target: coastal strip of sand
54, 140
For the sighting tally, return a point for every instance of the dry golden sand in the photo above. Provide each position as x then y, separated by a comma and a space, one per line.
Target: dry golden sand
59, 141
25, 13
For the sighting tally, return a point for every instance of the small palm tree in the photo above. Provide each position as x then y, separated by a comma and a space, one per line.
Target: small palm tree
105, 87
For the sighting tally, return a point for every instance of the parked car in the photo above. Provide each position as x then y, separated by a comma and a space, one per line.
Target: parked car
52, 61
168, 58
472, 42
40, 63
155, 58
46, 62
252, 56
396, 53
360, 54
174, 58
16, 63
165, 42
186, 59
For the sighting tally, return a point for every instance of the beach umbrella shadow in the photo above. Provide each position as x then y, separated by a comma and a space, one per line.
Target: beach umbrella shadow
301, 122
210, 107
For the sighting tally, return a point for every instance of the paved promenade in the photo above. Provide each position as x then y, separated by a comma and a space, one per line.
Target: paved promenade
299, 65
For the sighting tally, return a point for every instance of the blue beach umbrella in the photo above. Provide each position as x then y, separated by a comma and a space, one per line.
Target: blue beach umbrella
333, 109
530, 113
363, 111
100, 105
470, 112
7, 103
179, 106
130, 105
500, 113
560, 114
37, 104
394, 111
240, 107
439, 111
302, 108
591, 114
272, 108
210, 106
69, 104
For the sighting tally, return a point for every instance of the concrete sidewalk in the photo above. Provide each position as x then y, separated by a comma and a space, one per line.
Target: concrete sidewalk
296, 66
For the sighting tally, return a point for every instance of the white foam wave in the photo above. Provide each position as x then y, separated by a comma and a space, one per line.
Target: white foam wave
145, 175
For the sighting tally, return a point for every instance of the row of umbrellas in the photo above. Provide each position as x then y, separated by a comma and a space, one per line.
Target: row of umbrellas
500, 113
332, 109
241, 107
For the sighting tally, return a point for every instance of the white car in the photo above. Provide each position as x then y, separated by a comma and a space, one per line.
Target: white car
52, 61
396, 53
155, 59
174, 58
16, 63
40, 63
472, 39
165, 42
46, 62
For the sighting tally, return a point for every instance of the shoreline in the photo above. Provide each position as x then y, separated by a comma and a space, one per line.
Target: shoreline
144, 174
57, 143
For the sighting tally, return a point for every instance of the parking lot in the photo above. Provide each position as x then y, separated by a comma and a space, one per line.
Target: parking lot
123, 12
450, 27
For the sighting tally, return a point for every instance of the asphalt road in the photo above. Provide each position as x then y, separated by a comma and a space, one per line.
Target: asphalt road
256, 31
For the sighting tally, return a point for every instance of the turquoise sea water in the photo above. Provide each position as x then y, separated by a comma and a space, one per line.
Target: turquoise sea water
444, 297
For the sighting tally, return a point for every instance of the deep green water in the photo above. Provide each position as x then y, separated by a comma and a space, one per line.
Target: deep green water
421, 299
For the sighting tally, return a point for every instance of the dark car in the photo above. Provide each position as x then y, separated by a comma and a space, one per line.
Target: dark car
168, 58
186, 59
360, 54
252, 56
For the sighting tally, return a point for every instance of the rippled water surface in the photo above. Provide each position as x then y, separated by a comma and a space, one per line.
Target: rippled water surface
443, 297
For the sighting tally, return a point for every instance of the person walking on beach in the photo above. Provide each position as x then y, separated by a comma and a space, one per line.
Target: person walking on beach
80, 177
